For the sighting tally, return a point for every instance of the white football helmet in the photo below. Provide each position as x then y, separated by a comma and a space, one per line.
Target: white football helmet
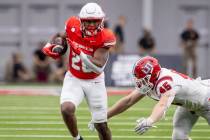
92, 18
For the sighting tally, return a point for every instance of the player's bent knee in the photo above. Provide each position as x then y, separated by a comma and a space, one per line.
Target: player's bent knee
67, 108
99, 116
179, 134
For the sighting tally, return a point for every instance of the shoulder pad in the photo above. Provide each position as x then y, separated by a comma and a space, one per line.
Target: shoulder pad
72, 22
109, 38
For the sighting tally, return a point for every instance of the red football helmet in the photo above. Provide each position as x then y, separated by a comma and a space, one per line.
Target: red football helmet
92, 18
146, 71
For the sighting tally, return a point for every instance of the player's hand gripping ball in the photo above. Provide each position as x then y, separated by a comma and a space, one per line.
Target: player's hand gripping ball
60, 45
58, 49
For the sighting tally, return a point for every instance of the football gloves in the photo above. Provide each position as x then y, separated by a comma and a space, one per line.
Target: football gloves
47, 50
143, 125
91, 126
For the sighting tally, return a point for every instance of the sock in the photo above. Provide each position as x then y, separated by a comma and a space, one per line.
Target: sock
77, 137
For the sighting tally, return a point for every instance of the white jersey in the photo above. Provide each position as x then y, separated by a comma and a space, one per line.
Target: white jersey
192, 94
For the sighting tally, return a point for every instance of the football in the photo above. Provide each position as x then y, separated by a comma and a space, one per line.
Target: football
61, 45
58, 49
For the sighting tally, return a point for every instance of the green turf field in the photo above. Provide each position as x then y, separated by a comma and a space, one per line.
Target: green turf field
38, 118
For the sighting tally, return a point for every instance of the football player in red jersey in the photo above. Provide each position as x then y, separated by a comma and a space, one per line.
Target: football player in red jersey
89, 49
167, 87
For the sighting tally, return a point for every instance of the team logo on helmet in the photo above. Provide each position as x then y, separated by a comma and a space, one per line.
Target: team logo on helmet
147, 68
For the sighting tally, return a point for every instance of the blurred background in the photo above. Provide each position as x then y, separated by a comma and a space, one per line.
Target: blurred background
174, 31
26, 25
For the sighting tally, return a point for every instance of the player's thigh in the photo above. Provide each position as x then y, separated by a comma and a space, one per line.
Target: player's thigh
183, 122
206, 116
96, 96
206, 113
71, 90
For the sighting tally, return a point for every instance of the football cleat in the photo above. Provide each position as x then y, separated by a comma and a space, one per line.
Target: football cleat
80, 138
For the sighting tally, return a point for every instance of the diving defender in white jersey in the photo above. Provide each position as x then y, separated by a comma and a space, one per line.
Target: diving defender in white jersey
167, 87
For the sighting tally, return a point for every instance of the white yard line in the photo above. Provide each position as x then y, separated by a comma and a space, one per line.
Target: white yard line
31, 117
27, 108
92, 136
87, 130
56, 108
84, 123
31, 112
80, 118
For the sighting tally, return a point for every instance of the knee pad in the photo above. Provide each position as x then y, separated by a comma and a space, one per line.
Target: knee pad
99, 116
179, 134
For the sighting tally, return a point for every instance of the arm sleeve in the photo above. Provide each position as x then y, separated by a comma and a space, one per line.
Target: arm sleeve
91, 65
72, 26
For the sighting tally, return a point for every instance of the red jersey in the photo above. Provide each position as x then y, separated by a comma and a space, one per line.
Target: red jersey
88, 45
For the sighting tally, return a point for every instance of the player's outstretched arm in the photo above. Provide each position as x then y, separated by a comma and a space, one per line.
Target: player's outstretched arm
161, 107
144, 124
124, 103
